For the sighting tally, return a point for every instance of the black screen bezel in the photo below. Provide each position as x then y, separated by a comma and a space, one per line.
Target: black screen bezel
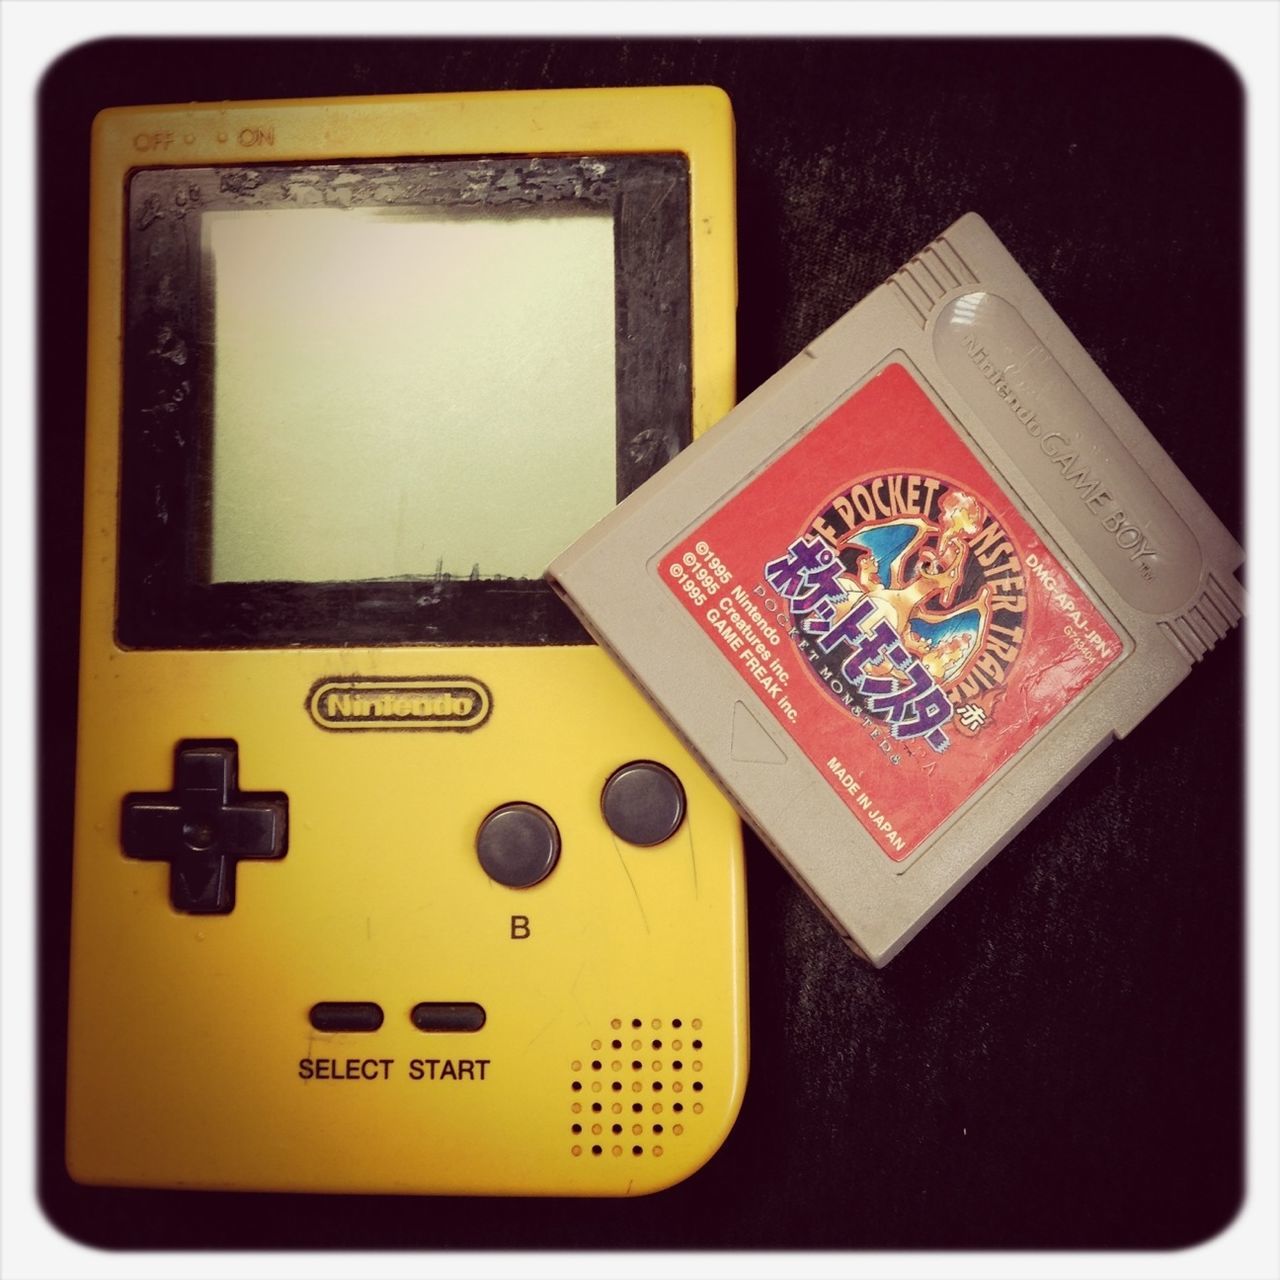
165, 598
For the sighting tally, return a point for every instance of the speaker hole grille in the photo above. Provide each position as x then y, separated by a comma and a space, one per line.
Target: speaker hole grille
659, 1084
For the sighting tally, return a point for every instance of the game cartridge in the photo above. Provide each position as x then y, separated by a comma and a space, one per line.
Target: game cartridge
911, 586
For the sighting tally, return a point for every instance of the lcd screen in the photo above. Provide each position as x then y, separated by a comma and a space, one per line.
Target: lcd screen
407, 392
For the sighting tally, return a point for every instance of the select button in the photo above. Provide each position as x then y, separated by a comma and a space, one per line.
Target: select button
346, 1015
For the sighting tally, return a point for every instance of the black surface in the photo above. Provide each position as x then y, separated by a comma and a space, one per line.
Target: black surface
518, 845
437, 1016
346, 1015
643, 803
1057, 1060
203, 827
166, 597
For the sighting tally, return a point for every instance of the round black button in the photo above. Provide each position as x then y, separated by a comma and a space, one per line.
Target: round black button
518, 845
643, 803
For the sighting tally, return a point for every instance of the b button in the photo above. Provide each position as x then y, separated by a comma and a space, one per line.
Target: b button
518, 845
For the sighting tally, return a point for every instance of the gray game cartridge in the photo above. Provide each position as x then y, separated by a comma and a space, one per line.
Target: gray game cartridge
911, 586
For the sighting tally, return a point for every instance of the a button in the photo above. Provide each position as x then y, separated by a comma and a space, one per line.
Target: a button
438, 1016
346, 1015
643, 803
518, 845
204, 826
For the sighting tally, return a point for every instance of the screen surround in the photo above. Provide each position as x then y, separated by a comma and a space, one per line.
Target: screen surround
168, 593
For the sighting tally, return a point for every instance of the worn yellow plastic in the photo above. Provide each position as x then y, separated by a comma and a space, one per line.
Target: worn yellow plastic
187, 1032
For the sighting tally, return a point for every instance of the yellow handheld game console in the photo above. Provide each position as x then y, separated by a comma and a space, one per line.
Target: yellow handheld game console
386, 880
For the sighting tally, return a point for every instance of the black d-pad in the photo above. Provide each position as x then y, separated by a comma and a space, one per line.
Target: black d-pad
204, 826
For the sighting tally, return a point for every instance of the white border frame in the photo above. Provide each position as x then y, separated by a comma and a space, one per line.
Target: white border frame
34, 34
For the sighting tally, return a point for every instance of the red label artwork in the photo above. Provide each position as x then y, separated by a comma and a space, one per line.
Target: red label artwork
888, 604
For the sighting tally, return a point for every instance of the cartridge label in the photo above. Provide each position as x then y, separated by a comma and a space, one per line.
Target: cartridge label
883, 597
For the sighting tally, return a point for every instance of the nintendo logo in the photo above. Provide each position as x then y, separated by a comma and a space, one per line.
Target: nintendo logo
436, 702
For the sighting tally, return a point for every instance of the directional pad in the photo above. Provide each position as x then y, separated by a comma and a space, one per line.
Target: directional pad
204, 826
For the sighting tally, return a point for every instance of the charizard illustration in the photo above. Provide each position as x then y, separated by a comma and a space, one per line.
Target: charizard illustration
944, 640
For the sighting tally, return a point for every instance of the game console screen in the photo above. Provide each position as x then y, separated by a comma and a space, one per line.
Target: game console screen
437, 385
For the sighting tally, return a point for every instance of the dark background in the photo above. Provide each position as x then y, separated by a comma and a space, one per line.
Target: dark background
1057, 1061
